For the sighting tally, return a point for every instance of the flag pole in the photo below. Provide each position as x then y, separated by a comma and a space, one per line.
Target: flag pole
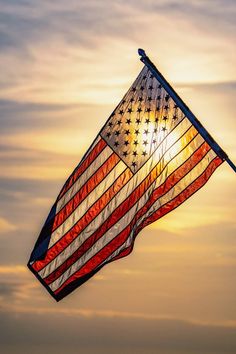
193, 119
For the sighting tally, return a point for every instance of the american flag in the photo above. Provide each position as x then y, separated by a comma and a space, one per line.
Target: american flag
147, 160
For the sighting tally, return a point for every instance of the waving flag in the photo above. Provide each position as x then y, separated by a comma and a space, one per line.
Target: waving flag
147, 159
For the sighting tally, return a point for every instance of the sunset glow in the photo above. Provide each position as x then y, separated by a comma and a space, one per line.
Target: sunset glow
65, 67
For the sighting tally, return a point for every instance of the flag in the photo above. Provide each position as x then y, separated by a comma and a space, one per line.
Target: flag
147, 160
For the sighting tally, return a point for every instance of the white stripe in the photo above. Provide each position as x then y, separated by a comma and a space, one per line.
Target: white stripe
86, 233
104, 240
183, 184
83, 207
120, 197
118, 227
90, 148
138, 177
103, 156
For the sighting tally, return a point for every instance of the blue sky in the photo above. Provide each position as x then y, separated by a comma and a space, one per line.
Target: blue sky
65, 66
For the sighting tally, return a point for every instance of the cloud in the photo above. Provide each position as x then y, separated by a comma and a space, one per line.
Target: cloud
6, 226
85, 20
106, 333
16, 287
103, 17
14, 191
107, 314
12, 269
193, 242
24, 163
65, 67
8, 289
57, 43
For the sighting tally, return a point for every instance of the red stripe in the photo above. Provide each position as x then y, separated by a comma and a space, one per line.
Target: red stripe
95, 261
103, 254
83, 166
83, 192
117, 214
187, 193
174, 203
92, 212
97, 208
190, 190
124, 253
76, 229
175, 177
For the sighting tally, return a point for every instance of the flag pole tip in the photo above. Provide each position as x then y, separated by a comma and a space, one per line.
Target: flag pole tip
141, 52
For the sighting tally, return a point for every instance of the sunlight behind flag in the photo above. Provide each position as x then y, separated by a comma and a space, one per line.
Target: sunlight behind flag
147, 159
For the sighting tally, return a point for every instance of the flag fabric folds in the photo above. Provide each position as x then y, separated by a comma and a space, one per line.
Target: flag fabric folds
146, 161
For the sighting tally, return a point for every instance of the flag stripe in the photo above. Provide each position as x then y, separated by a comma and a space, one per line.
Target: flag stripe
91, 213
190, 176
203, 150
85, 190
82, 208
175, 177
92, 263
169, 183
176, 181
113, 244
105, 153
127, 247
83, 165
53, 223
140, 188
137, 191
95, 209
191, 189
178, 130
79, 208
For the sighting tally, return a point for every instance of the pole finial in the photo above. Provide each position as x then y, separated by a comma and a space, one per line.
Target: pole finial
142, 53
180, 103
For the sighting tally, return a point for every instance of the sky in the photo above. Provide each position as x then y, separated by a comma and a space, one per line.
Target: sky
64, 68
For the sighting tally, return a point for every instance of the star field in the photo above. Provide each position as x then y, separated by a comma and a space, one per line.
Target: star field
141, 121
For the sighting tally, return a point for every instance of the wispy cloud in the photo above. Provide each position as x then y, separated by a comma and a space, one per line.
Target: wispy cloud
6, 226
58, 47
12, 269
90, 313
65, 67
118, 332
